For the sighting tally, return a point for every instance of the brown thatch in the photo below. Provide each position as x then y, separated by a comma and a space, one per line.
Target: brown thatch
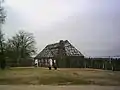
63, 48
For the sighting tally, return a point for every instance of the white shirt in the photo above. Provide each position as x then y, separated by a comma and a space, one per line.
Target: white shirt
36, 61
54, 61
50, 62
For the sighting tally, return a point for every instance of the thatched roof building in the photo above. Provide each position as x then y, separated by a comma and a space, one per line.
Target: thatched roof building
64, 52
63, 48
67, 56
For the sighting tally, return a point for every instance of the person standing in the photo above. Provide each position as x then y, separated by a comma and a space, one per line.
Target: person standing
36, 63
50, 64
54, 64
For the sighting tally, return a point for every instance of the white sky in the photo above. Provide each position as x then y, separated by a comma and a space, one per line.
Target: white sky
92, 26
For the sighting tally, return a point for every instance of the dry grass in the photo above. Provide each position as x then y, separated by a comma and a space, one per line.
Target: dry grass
38, 76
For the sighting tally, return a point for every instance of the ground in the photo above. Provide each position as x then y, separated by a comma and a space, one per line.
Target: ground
38, 87
43, 76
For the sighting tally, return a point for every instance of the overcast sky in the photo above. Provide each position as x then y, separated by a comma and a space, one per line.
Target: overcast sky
92, 26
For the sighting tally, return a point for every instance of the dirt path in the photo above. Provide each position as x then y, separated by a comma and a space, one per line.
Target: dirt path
38, 87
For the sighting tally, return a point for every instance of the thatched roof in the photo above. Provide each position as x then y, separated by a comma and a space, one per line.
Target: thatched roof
61, 48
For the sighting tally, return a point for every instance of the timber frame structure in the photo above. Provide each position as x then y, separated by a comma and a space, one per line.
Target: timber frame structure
64, 52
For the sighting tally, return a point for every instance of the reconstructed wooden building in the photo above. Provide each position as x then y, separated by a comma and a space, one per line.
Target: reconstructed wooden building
65, 54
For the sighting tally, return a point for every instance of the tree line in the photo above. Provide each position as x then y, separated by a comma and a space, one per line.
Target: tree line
20, 45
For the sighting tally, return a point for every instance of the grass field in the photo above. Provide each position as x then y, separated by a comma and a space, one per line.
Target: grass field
43, 76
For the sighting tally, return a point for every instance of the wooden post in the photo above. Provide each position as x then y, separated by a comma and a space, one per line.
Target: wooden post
103, 64
85, 63
110, 63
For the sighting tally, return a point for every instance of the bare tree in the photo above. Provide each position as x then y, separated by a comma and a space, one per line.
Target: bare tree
22, 45
2, 44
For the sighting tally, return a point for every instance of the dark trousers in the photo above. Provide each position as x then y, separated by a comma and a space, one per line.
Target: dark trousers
55, 66
49, 68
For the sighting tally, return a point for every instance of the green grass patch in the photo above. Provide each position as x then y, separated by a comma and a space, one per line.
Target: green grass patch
43, 76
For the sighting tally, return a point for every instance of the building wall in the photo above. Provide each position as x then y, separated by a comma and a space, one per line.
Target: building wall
70, 62
81, 62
